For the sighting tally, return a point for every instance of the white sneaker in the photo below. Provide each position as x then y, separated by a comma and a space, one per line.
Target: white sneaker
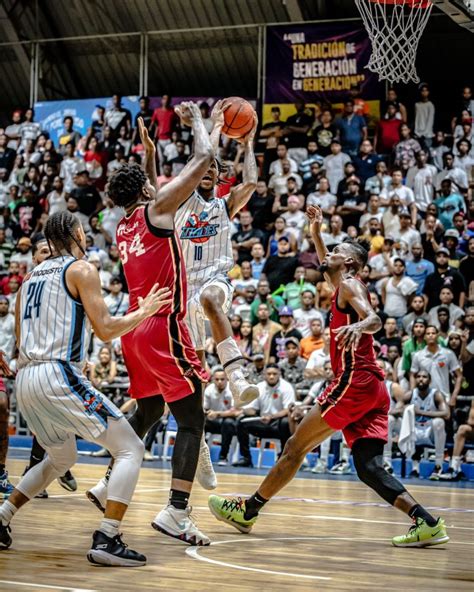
148, 456
222, 462
342, 468
179, 525
320, 467
241, 389
205, 474
98, 495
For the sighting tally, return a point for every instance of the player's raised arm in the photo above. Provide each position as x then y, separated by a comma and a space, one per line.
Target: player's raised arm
315, 216
83, 282
149, 163
240, 194
173, 194
353, 293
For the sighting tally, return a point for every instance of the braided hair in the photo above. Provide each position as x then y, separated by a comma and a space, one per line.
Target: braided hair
126, 185
360, 248
59, 231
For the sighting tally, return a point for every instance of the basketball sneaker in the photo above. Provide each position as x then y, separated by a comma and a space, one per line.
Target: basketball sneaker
67, 481
241, 389
98, 495
422, 535
180, 525
436, 473
112, 551
6, 488
320, 467
205, 474
5, 538
451, 475
342, 468
232, 511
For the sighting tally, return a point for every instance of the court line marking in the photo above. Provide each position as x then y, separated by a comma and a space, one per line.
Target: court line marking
32, 585
194, 553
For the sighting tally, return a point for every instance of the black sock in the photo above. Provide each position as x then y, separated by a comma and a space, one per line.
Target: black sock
179, 499
2, 469
253, 505
34, 461
420, 512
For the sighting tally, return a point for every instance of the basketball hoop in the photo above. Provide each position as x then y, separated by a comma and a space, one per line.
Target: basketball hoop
395, 28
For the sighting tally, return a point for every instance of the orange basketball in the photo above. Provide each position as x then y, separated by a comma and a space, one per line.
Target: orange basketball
238, 118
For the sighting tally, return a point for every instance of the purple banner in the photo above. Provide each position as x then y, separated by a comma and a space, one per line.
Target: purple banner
318, 62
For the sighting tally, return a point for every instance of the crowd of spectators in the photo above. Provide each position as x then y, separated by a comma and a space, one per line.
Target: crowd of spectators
403, 184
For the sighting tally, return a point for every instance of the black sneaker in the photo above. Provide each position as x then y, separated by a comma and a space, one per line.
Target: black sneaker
67, 481
110, 551
5, 538
451, 475
243, 462
42, 495
414, 473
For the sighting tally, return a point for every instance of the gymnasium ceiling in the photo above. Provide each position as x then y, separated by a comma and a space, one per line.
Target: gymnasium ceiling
182, 63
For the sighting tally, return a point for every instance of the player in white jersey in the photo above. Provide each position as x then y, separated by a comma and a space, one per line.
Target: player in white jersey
203, 224
59, 301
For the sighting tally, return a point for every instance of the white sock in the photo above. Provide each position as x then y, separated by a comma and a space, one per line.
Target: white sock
416, 465
345, 454
110, 527
227, 351
324, 450
7, 511
456, 463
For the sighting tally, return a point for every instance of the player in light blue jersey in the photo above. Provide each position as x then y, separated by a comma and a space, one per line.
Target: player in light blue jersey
59, 301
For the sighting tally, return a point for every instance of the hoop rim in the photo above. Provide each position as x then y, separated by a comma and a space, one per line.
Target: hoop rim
411, 3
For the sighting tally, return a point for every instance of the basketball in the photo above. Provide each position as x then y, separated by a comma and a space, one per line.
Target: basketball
238, 118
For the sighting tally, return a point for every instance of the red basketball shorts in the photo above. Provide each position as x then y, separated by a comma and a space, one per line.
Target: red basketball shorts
3, 388
161, 360
357, 406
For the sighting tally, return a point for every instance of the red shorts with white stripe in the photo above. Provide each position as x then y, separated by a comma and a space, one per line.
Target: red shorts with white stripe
161, 360
358, 407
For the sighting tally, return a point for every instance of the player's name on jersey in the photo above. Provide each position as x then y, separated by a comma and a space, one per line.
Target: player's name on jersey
41, 272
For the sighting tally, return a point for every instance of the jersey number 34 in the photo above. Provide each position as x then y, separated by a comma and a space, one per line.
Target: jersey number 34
136, 246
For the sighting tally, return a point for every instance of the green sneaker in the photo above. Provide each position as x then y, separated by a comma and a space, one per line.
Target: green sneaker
231, 510
422, 535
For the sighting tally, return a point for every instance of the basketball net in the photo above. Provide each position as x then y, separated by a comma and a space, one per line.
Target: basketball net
394, 28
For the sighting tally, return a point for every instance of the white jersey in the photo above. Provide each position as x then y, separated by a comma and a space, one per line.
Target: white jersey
54, 325
426, 404
204, 228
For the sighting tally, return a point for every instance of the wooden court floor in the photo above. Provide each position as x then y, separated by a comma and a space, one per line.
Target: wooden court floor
319, 535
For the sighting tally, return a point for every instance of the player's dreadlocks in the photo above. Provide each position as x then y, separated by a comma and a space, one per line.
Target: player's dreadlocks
126, 185
361, 248
59, 231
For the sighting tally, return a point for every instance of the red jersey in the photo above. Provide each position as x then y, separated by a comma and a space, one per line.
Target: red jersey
346, 362
151, 256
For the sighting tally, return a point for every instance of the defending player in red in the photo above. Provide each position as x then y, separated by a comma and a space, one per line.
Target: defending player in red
356, 402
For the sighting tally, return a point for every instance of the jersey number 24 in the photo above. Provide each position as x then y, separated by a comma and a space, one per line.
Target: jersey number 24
136, 246
34, 296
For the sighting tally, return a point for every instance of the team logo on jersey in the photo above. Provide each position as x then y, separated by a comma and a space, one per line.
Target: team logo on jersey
198, 229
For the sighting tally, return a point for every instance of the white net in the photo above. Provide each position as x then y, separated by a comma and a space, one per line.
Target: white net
395, 28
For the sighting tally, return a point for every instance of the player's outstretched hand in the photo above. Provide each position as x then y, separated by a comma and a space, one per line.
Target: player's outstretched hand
249, 138
315, 216
348, 337
155, 299
145, 139
187, 111
217, 114
4, 367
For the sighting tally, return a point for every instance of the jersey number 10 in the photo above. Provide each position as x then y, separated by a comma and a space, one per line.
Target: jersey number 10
33, 299
197, 253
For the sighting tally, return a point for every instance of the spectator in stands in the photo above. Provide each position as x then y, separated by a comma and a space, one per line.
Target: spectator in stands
296, 129
440, 363
414, 343
258, 260
446, 297
406, 149
116, 300
388, 131
294, 290
29, 130
270, 136
280, 268
264, 331
424, 117
466, 269
12, 131
246, 280
274, 301
351, 204
292, 368
7, 156
306, 312
23, 255
405, 195
69, 136
276, 167
314, 340
104, 372
323, 198
146, 114
379, 181
449, 203
334, 165
325, 132
179, 161
373, 211
392, 97
438, 150
352, 129
430, 414
246, 237
366, 161
220, 412
464, 434
279, 181
163, 122
86, 195
311, 184
464, 160
277, 346
406, 236
336, 235
455, 174
314, 370
444, 276
260, 205
7, 328
391, 336
418, 269
295, 218
117, 116
421, 179
396, 290
270, 411
313, 156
